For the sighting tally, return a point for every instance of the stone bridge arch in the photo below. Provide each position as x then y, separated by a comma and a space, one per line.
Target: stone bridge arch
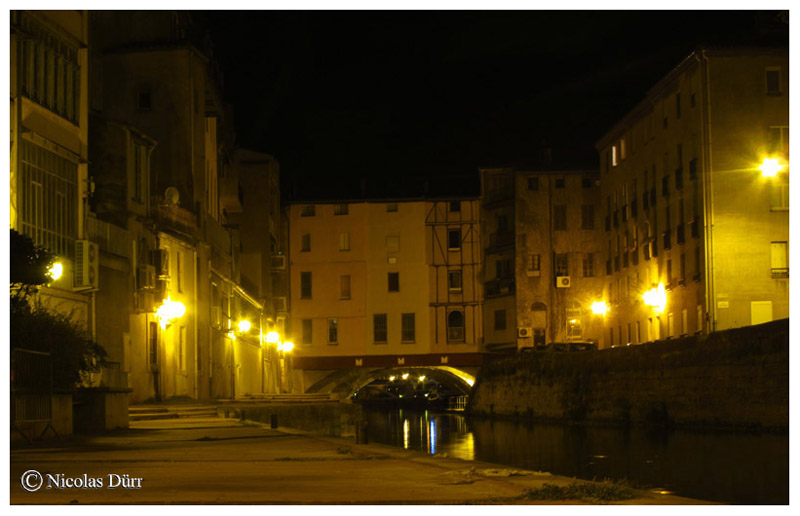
345, 382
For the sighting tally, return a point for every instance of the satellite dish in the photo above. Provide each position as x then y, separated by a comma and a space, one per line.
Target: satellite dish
172, 196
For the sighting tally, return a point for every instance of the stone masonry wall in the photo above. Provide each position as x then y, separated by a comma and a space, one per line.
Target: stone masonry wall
733, 378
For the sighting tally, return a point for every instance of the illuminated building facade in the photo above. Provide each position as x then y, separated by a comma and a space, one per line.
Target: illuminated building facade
389, 278
49, 129
685, 204
542, 258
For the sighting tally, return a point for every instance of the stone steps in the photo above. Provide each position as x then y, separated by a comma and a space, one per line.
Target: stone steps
145, 412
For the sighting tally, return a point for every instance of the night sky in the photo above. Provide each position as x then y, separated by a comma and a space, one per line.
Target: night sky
340, 96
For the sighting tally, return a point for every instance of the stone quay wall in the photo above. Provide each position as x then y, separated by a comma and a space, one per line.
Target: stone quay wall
729, 379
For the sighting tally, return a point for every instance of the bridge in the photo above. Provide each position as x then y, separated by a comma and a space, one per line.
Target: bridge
344, 375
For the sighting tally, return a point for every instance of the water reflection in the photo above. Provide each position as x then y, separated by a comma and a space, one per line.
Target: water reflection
724, 467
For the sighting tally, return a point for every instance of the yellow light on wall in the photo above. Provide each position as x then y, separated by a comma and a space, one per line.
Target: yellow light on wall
287, 346
55, 271
244, 326
656, 298
599, 307
169, 311
273, 337
770, 167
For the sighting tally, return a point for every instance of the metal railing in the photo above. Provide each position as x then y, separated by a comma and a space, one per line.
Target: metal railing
457, 403
31, 389
110, 238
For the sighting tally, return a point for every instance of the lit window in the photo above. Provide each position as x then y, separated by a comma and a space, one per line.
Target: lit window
614, 158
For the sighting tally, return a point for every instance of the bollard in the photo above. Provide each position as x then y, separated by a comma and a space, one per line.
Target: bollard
227, 413
361, 432
242, 416
273, 420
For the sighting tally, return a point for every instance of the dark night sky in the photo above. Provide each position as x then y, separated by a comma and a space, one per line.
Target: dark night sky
360, 94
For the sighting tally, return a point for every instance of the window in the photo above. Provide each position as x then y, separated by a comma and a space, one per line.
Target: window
307, 327
379, 330
408, 328
560, 217
779, 196
182, 348
534, 262
503, 269
502, 224
678, 106
499, 320
392, 243
622, 150
333, 331
344, 286
305, 243
562, 264
682, 277
141, 176
344, 241
773, 81
340, 209
153, 344
179, 270
394, 282
454, 239
391, 208
614, 157
588, 265
455, 206
574, 325
305, 285
780, 259
587, 216
49, 71
455, 326
48, 198
533, 183
144, 99
778, 140
308, 211
454, 281
560, 182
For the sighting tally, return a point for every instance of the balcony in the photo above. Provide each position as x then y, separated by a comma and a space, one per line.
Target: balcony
110, 238
499, 287
780, 273
177, 218
501, 240
455, 334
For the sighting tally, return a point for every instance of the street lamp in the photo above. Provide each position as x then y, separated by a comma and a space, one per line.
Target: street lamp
169, 311
599, 308
273, 337
55, 271
770, 167
656, 298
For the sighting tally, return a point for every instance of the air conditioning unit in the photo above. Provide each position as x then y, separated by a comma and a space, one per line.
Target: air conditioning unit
144, 301
216, 316
524, 333
279, 262
146, 277
563, 282
160, 259
279, 303
87, 259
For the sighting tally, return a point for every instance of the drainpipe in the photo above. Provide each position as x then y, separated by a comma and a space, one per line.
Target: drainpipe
195, 391
708, 194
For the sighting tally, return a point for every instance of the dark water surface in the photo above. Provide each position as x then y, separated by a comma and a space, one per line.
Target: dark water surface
737, 468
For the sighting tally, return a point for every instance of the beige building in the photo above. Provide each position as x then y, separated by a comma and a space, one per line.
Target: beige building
686, 205
384, 278
49, 129
542, 257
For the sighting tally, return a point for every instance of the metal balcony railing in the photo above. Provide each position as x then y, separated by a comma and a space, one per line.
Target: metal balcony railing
110, 238
455, 334
780, 272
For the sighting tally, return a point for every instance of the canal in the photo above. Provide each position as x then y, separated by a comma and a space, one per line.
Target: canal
736, 468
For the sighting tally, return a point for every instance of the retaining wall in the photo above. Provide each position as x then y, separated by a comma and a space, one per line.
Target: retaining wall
732, 378
337, 419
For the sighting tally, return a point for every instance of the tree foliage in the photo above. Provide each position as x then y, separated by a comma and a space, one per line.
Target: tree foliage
33, 326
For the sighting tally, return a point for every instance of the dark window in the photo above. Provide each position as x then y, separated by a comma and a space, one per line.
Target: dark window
560, 182
340, 209
333, 331
153, 343
408, 328
535, 263
562, 264
305, 285
587, 216
454, 280
391, 207
455, 206
307, 335
533, 183
773, 82
305, 243
308, 211
499, 320
379, 331
394, 282
344, 284
560, 217
587, 182
502, 224
588, 265
455, 326
678, 106
144, 100
454, 239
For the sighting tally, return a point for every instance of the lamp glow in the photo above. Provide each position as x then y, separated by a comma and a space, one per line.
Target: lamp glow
391, 378
770, 167
244, 326
599, 307
287, 346
470, 381
169, 311
405, 376
55, 271
273, 337
422, 378
656, 298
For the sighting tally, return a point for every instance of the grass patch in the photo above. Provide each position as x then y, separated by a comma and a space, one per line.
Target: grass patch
606, 491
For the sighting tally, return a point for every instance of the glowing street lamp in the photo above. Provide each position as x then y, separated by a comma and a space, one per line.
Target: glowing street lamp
405, 376
599, 307
286, 346
273, 337
55, 271
244, 326
169, 311
770, 167
656, 298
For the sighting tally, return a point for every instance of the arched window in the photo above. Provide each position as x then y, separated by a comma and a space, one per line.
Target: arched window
455, 326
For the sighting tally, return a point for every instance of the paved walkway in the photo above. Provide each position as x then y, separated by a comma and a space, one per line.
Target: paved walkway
221, 461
